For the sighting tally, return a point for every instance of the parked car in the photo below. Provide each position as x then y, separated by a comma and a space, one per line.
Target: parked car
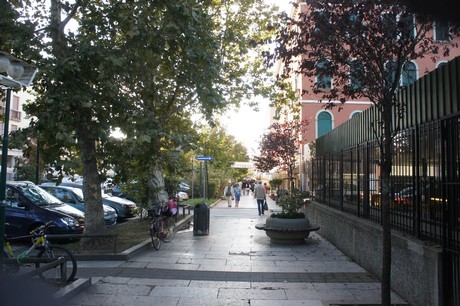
404, 197
184, 187
27, 206
74, 197
182, 196
124, 207
117, 191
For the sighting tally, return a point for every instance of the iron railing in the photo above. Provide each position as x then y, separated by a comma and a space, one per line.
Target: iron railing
425, 176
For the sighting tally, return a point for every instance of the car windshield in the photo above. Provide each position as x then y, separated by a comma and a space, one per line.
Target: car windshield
38, 196
78, 194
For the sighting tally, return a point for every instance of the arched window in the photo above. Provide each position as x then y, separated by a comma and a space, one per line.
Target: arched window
409, 73
323, 123
440, 64
355, 114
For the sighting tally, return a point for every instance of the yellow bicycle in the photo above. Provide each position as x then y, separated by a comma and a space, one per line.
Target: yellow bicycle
45, 250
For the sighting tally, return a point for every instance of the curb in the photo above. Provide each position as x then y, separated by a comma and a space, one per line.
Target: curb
127, 254
72, 289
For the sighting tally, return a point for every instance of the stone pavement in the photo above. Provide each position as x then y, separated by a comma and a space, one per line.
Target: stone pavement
234, 265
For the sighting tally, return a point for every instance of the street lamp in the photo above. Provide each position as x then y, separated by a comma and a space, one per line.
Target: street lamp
175, 154
14, 74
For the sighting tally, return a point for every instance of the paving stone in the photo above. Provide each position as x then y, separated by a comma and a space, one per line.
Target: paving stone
235, 264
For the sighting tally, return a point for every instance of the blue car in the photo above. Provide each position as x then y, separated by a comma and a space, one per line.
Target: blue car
27, 206
74, 197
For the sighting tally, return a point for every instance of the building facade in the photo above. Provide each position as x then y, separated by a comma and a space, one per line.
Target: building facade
322, 120
18, 120
424, 186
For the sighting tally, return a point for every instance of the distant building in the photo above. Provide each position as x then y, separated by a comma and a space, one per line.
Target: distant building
18, 120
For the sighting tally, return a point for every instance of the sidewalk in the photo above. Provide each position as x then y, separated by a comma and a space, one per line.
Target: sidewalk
234, 265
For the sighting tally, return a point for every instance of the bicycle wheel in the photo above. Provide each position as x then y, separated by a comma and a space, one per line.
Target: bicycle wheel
156, 242
54, 274
169, 230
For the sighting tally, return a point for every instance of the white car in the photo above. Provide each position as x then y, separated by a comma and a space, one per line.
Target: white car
182, 196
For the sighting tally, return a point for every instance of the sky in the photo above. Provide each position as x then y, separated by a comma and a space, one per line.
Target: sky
248, 125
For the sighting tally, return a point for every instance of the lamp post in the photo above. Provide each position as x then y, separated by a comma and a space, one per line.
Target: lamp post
175, 154
14, 74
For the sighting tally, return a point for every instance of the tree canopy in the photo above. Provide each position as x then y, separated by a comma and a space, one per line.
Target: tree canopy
143, 67
280, 147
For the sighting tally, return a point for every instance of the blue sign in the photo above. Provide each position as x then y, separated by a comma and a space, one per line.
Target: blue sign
201, 157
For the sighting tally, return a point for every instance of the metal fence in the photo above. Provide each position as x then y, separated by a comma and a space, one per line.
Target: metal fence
425, 176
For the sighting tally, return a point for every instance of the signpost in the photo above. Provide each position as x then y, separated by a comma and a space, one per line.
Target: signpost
204, 158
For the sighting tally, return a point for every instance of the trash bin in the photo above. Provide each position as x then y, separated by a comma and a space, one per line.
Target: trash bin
201, 220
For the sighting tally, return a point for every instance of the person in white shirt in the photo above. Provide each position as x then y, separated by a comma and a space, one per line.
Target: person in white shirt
229, 194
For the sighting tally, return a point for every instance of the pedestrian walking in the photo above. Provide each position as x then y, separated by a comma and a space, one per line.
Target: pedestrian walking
252, 186
245, 187
260, 196
237, 193
267, 188
229, 194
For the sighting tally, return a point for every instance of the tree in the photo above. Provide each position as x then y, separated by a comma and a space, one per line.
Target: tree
200, 71
445, 10
225, 150
279, 147
363, 46
144, 67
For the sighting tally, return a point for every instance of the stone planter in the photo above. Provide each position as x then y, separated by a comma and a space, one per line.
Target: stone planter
287, 231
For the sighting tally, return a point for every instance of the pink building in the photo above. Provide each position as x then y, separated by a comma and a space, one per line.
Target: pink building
324, 120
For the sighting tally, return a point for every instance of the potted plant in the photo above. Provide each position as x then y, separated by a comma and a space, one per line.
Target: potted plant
290, 226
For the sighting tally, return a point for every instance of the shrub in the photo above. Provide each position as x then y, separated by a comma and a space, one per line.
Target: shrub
290, 205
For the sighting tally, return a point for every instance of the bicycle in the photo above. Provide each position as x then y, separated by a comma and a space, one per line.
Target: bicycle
161, 228
46, 249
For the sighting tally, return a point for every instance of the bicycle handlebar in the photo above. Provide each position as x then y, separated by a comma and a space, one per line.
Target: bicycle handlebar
41, 229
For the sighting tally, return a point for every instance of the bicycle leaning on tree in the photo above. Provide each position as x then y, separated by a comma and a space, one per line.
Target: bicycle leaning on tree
162, 226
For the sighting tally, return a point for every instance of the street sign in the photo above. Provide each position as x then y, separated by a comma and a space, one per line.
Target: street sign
243, 165
201, 157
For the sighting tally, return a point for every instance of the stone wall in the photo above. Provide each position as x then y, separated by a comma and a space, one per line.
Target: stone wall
415, 266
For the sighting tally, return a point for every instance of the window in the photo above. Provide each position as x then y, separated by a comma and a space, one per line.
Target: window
389, 24
15, 114
409, 73
390, 70
440, 64
441, 31
356, 74
407, 24
322, 23
355, 25
13, 199
323, 77
355, 114
324, 123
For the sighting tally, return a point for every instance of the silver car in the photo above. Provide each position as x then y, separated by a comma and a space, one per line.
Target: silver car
74, 197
